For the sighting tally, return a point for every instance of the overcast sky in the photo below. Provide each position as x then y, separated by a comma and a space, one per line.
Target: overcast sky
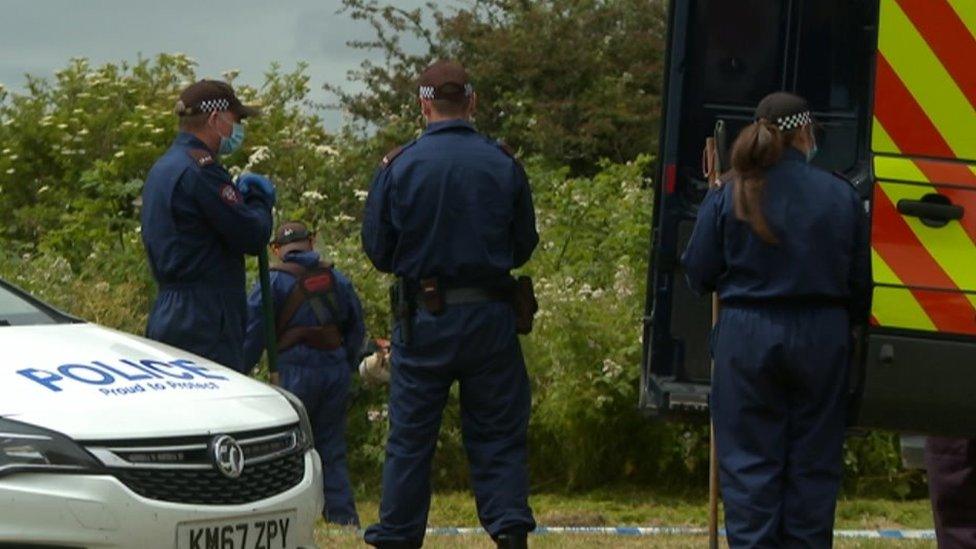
40, 36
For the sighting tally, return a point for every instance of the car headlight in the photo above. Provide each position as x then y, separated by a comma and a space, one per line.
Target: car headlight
25, 447
304, 423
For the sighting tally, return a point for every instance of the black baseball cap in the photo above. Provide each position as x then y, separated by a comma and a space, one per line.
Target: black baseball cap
444, 80
786, 110
212, 95
289, 233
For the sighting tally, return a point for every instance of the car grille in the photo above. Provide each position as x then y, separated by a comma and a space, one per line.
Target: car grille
183, 470
212, 488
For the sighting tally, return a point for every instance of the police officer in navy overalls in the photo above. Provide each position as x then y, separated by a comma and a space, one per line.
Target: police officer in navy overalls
785, 246
197, 225
320, 332
451, 214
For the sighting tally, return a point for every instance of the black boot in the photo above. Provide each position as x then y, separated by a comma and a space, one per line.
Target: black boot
512, 540
397, 545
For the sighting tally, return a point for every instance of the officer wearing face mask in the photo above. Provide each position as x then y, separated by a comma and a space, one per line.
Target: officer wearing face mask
197, 224
785, 246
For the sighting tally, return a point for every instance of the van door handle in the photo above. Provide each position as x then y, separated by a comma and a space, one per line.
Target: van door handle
935, 210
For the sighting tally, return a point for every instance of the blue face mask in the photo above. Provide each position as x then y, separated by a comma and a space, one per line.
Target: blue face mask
814, 149
234, 141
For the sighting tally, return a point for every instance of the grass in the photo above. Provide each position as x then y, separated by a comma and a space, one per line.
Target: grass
631, 507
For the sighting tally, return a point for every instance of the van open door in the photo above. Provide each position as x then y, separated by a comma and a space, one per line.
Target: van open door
894, 84
723, 58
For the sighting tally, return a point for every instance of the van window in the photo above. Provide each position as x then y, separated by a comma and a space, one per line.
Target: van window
828, 37
741, 60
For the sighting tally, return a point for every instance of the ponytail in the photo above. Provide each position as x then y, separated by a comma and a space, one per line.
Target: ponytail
757, 148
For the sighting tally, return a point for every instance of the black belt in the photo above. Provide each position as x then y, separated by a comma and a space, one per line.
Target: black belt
786, 302
213, 285
466, 296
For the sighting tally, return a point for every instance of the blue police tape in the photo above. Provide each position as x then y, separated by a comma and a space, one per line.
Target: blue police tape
638, 531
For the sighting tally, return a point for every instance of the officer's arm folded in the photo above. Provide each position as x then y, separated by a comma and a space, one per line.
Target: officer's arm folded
378, 233
525, 237
703, 260
244, 224
860, 276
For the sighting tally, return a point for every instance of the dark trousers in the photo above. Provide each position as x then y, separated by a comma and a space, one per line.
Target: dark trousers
779, 398
951, 467
201, 320
323, 387
476, 346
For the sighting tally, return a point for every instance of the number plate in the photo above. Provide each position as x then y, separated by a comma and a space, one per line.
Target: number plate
268, 531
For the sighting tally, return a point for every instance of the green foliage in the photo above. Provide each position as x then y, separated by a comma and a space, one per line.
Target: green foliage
75, 150
574, 81
872, 462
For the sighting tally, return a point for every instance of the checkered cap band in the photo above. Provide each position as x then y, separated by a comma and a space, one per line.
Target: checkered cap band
429, 92
793, 121
211, 105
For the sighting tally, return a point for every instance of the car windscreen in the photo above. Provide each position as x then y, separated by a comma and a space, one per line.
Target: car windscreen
18, 310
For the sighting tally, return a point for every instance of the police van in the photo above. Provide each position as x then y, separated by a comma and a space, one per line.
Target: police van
111, 440
893, 85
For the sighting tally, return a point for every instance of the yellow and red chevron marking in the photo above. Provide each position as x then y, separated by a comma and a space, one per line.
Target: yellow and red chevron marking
925, 132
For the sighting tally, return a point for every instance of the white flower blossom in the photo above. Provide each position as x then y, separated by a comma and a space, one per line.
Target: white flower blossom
622, 282
42, 190
120, 154
259, 155
313, 196
326, 150
361, 194
611, 369
11, 171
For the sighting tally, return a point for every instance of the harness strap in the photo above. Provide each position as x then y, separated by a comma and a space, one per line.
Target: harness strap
318, 337
299, 295
294, 300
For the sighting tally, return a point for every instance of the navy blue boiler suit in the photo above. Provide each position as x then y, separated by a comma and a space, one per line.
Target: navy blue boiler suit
320, 378
196, 228
454, 205
782, 349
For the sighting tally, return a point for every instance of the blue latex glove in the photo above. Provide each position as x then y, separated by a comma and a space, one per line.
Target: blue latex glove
249, 183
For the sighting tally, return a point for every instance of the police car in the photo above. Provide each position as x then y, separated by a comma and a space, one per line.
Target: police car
111, 440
